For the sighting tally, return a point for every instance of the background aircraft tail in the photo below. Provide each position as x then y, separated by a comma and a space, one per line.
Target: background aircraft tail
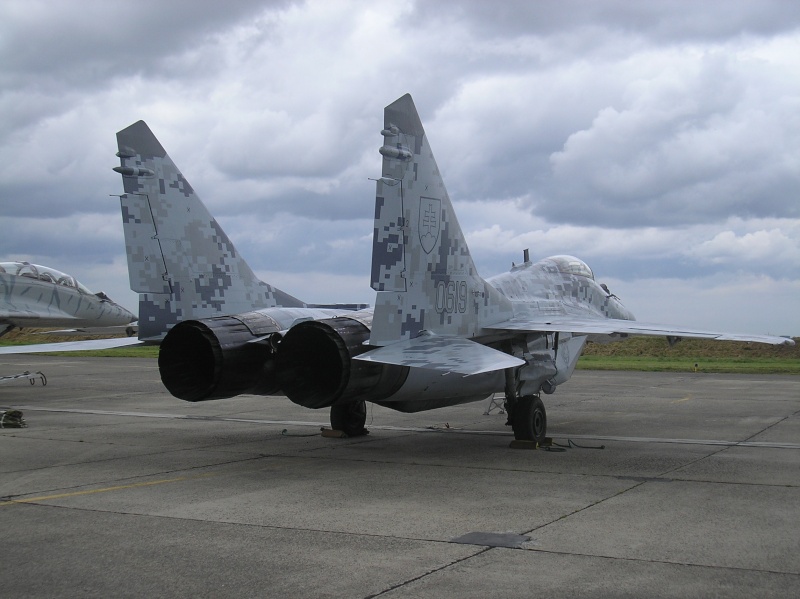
421, 265
180, 260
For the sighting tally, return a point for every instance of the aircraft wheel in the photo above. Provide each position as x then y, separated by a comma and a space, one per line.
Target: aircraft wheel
530, 419
350, 418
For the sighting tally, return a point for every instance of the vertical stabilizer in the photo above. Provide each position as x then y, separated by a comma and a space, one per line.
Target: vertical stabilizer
421, 265
180, 260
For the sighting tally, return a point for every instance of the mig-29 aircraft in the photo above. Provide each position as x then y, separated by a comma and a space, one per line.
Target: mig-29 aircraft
38, 296
35, 296
439, 334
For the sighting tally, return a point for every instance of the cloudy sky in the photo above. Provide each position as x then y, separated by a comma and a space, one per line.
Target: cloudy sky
658, 141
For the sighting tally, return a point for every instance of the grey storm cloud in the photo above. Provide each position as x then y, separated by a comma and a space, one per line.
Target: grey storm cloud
88, 41
656, 140
663, 21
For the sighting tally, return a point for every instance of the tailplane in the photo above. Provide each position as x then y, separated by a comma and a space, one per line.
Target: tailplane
180, 260
421, 266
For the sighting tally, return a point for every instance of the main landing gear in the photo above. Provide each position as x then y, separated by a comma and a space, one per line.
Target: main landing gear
350, 418
528, 418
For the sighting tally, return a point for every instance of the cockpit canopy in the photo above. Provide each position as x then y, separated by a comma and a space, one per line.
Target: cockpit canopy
42, 273
571, 265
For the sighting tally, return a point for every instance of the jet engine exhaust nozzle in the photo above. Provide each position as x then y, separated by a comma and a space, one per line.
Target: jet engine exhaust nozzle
316, 370
200, 360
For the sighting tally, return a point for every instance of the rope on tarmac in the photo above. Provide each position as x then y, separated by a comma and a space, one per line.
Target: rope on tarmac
570, 445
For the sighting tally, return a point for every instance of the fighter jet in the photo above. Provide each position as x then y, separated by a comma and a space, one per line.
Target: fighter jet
39, 296
439, 334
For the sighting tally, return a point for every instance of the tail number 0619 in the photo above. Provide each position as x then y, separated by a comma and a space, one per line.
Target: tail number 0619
451, 297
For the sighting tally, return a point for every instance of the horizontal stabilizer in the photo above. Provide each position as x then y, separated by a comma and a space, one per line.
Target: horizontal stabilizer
39, 348
446, 354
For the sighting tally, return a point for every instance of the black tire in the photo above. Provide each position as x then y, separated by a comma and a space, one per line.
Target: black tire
350, 418
529, 419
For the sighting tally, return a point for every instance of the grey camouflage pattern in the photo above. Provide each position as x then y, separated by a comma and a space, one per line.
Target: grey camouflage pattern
543, 289
421, 266
431, 300
180, 260
30, 302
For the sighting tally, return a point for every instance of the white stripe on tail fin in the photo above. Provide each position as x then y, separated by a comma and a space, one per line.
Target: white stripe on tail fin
421, 265
180, 260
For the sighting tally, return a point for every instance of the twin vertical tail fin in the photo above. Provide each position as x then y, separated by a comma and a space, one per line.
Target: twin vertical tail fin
421, 265
180, 260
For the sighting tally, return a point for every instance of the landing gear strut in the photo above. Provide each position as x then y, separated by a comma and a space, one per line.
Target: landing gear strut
350, 418
528, 419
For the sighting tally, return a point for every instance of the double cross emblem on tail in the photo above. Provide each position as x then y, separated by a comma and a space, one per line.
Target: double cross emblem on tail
429, 222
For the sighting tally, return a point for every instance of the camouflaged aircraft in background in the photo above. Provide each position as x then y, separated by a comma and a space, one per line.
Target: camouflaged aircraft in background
38, 296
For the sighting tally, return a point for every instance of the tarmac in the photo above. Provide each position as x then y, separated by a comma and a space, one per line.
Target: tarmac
661, 485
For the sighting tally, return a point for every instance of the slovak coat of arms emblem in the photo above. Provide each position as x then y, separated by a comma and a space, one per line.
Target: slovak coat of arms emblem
430, 211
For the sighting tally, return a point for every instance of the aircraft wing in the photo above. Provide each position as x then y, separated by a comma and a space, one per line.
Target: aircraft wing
445, 354
131, 330
38, 348
612, 326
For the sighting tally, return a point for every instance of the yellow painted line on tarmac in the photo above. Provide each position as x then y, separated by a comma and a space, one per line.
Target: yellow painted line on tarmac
687, 398
103, 490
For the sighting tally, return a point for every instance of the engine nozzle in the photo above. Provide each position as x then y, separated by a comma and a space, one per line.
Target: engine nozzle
216, 358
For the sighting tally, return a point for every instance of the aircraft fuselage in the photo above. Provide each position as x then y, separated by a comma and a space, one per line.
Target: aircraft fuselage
558, 286
30, 301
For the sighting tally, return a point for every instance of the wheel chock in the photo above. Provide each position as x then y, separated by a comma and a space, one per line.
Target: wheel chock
517, 444
333, 433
